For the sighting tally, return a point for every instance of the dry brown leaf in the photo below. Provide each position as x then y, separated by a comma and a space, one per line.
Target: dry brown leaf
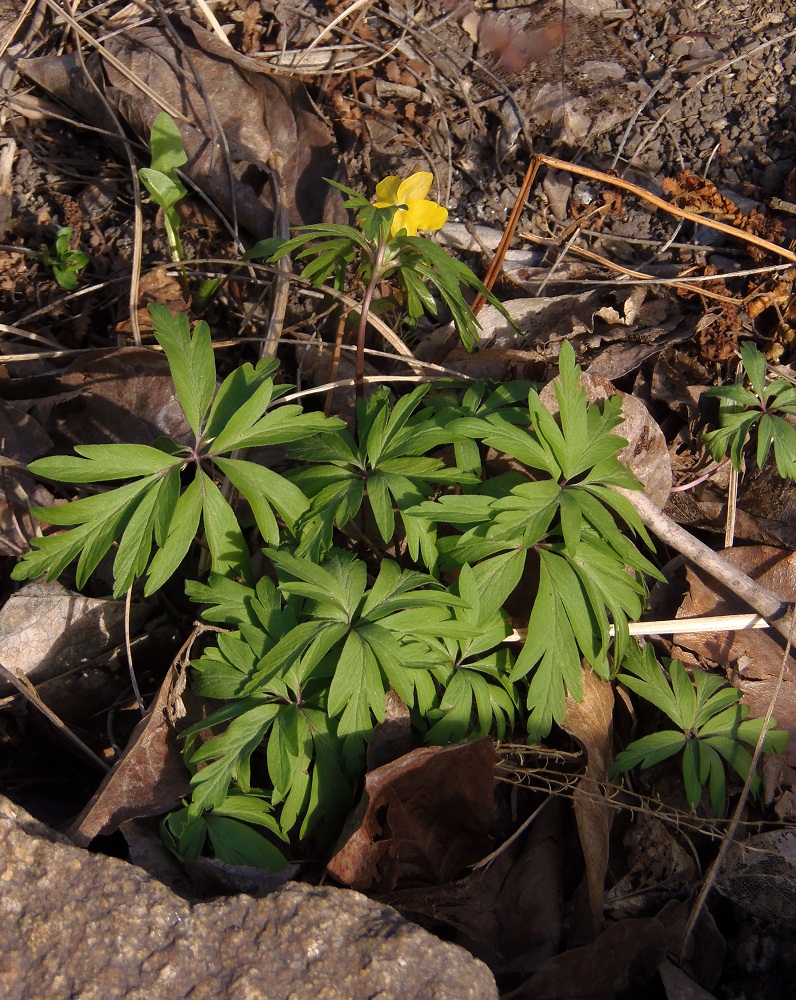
759, 875
697, 194
160, 287
105, 397
703, 958
426, 817
46, 630
658, 868
512, 907
269, 123
590, 722
149, 778
626, 955
680, 986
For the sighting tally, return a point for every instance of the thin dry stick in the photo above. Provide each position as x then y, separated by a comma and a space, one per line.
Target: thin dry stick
129, 650
764, 602
729, 837
8, 36
596, 258
678, 626
28, 691
597, 175
281, 289
211, 19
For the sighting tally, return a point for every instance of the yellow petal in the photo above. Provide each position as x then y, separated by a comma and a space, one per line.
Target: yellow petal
414, 187
401, 221
426, 215
387, 192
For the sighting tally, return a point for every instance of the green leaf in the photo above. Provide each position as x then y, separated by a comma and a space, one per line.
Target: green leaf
168, 151
498, 577
646, 677
237, 844
691, 773
684, 695
235, 392
182, 531
103, 463
551, 654
265, 491
734, 393
649, 750
357, 690
224, 539
783, 435
381, 505
184, 834
230, 754
135, 547
102, 519
754, 363
249, 808
264, 249
164, 189
191, 361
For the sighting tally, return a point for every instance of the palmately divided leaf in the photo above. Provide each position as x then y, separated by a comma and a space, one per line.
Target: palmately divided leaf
102, 519
649, 750
550, 653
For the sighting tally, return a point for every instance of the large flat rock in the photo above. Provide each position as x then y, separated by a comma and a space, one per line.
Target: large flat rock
79, 925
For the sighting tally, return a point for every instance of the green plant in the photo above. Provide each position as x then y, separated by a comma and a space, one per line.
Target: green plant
390, 552
305, 673
387, 464
385, 247
765, 406
712, 726
65, 263
588, 572
157, 507
161, 180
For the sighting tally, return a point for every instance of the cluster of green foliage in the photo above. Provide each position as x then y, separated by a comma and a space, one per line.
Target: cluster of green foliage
712, 726
65, 263
392, 552
412, 263
391, 549
764, 407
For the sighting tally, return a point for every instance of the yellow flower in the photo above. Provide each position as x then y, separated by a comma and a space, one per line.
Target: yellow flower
420, 212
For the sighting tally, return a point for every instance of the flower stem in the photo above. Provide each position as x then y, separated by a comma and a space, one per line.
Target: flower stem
375, 277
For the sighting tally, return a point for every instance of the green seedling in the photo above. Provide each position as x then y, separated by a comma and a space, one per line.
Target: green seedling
762, 406
161, 181
712, 727
65, 263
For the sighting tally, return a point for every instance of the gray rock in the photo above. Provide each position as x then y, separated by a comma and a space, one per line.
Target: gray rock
78, 925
